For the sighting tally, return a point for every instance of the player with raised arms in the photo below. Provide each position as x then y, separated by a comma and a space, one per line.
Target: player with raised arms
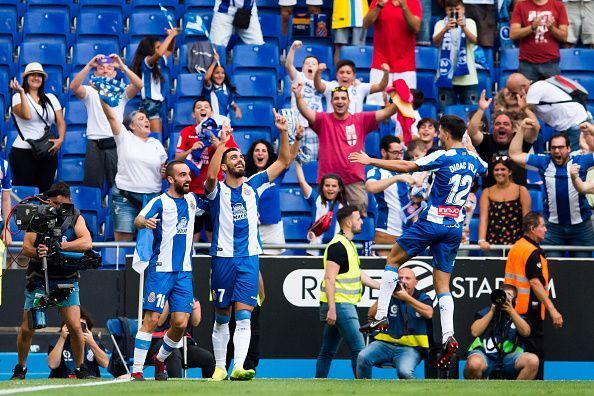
236, 245
439, 226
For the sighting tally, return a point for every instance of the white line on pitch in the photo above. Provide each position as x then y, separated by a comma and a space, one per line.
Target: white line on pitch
50, 387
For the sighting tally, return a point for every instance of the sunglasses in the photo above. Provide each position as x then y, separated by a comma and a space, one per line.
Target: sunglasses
340, 89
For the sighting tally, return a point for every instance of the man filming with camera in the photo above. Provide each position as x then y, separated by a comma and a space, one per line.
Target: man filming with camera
58, 228
496, 352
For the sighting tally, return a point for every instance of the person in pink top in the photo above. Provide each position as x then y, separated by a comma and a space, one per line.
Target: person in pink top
396, 24
341, 133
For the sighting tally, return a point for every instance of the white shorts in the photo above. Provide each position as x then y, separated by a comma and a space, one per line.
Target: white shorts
291, 3
273, 234
221, 29
376, 75
581, 22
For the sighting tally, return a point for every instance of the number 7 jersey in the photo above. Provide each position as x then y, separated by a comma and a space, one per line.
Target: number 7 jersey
454, 171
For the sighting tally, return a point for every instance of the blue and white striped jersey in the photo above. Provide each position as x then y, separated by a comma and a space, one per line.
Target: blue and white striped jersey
152, 88
563, 204
454, 172
173, 237
5, 179
390, 202
231, 6
234, 213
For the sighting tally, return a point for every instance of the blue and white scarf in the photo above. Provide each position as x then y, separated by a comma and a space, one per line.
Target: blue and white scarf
110, 90
452, 61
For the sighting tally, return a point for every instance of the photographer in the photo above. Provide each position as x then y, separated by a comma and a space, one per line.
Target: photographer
60, 359
75, 238
497, 347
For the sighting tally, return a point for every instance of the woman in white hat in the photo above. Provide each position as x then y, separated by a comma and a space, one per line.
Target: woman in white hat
34, 113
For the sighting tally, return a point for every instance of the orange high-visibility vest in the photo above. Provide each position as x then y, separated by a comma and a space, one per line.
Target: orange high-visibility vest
515, 273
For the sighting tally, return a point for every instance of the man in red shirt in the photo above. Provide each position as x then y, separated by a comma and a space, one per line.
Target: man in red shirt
341, 133
541, 28
188, 146
396, 24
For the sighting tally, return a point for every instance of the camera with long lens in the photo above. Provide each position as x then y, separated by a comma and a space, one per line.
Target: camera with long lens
498, 297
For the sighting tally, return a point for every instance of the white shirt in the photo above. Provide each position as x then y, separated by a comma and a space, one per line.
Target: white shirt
560, 116
479, 1
35, 127
139, 163
312, 98
357, 95
97, 124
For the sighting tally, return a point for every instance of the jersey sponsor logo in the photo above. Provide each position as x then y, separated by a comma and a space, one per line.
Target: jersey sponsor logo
182, 226
239, 212
247, 191
394, 310
448, 211
351, 135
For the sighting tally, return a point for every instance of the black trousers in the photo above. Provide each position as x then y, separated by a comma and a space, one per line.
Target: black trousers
535, 344
100, 165
197, 358
27, 171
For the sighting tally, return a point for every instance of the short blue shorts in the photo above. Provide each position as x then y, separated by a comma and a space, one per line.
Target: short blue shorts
123, 211
72, 300
175, 287
508, 364
152, 108
234, 279
443, 241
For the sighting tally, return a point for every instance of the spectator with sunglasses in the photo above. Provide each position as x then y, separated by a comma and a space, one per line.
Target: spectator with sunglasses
494, 145
341, 133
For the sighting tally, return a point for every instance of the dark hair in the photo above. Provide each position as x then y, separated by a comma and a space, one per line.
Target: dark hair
311, 56
200, 99
129, 118
340, 197
58, 188
387, 141
561, 135
250, 166
418, 98
230, 149
453, 3
530, 221
345, 212
429, 120
43, 99
226, 81
454, 125
415, 145
346, 62
146, 47
507, 162
169, 169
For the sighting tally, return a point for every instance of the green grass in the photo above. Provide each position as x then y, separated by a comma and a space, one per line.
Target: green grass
310, 387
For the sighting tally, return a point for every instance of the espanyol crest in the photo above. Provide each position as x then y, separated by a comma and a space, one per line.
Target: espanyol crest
504, 33
445, 66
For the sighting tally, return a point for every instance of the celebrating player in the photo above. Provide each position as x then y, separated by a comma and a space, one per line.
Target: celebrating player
439, 226
169, 275
236, 245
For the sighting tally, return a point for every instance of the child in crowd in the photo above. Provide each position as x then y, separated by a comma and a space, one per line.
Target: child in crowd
310, 144
346, 76
218, 89
150, 57
427, 130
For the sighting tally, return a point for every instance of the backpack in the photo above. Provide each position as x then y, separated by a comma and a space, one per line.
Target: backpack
200, 56
126, 344
578, 93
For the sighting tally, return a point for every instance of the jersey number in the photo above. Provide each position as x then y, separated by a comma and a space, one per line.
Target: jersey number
460, 188
161, 301
221, 294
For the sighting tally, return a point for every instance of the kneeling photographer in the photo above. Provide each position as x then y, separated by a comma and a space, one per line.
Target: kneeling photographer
54, 232
496, 352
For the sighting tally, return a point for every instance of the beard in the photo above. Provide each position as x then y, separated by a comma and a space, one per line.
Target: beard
237, 173
181, 188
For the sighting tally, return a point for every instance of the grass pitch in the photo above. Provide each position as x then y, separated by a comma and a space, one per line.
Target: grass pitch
309, 387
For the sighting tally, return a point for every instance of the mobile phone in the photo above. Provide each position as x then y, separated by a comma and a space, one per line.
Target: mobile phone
83, 325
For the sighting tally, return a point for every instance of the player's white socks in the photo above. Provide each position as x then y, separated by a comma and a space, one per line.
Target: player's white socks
220, 339
446, 315
241, 337
141, 347
387, 286
168, 346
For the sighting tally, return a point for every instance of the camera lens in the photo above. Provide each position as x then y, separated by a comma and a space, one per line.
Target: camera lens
498, 297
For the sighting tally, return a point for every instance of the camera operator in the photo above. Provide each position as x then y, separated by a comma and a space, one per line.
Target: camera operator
75, 238
497, 345
60, 359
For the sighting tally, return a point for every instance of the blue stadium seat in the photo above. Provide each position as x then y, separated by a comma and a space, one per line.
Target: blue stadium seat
69, 6
371, 206
427, 58
255, 84
182, 112
51, 55
460, 110
428, 110
47, 27
372, 141
121, 6
310, 170
113, 258
76, 113
296, 228
71, 170
4, 94
192, 5
257, 113
361, 55
75, 142
537, 197
271, 30
188, 85
87, 198
509, 60
9, 21
245, 139
147, 23
485, 82
474, 226
586, 80
426, 84
24, 191
11, 134
533, 178
292, 200
322, 52
6, 55
82, 53
189, 36
104, 27
367, 231
255, 58
172, 6
576, 60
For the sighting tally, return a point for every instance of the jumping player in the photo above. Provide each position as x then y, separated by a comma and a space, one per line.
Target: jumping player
169, 274
439, 226
236, 245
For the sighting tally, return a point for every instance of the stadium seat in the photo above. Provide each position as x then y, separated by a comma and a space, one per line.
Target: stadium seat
426, 84
182, 112
361, 55
88, 201
4, 94
9, 21
485, 82
427, 58
367, 231
24, 191
173, 6
105, 27
372, 141
82, 53
116, 332
121, 6
69, 6
537, 197
474, 226
147, 23
188, 84
255, 84
257, 113
202, 4
76, 113
75, 142
6, 58
47, 27
461, 110
71, 170
114, 258
428, 110
576, 60
371, 206
322, 52
271, 30
51, 55
11, 134
255, 58
310, 171
245, 139
586, 80
292, 201
296, 228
